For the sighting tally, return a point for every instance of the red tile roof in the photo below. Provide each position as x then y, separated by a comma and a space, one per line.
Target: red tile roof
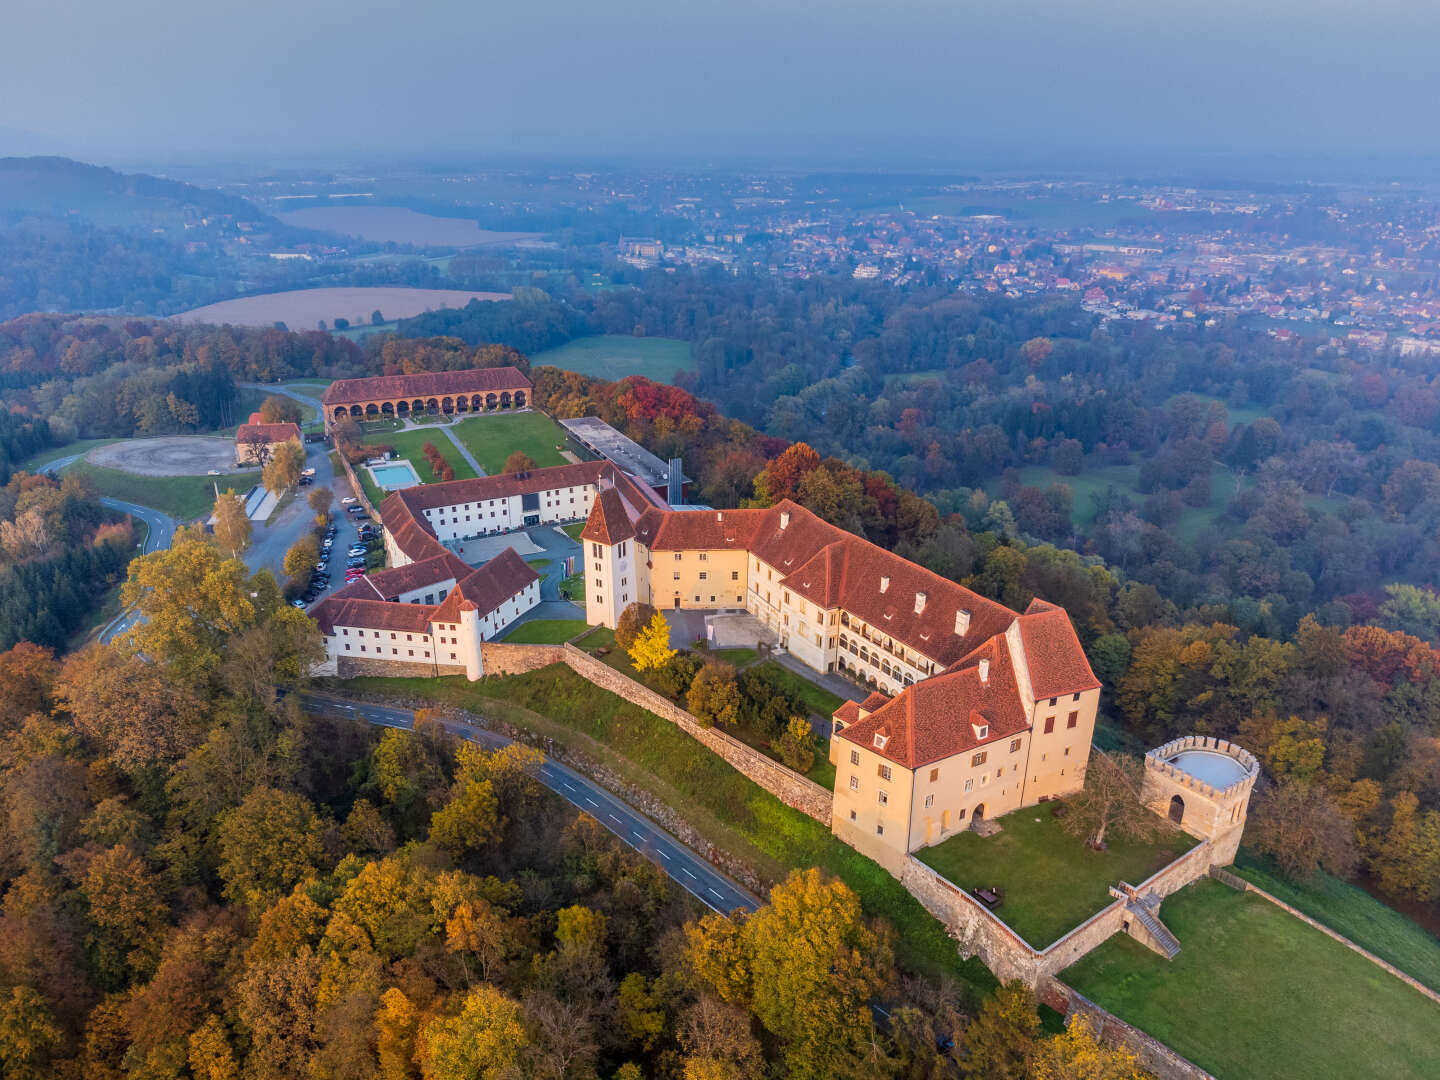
1053, 653
268, 433
489, 586
336, 611
692, 530
608, 523
937, 718
426, 384
475, 489
416, 575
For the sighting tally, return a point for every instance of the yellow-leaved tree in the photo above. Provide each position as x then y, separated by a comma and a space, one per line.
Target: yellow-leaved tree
484, 1042
652, 645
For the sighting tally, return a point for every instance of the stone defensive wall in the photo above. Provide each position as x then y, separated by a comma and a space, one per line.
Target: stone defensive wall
794, 790
354, 667
980, 932
1154, 1055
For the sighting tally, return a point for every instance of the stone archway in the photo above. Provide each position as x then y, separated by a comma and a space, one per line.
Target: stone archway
447, 406
462, 404
417, 406
387, 409
356, 411
978, 814
505, 399
519, 399
1177, 809
476, 403
340, 410
491, 401
402, 408
432, 405
372, 410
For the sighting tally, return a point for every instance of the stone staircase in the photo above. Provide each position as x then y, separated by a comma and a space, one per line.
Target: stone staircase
1143, 911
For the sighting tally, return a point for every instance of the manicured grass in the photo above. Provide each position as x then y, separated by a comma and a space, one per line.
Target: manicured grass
1354, 913
409, 445
492, 439
1052, 882
730, 810
816, 698
182, 497
545, 632
1254, 992
573, 588
79, 446
614, 356
573, 530
735, 657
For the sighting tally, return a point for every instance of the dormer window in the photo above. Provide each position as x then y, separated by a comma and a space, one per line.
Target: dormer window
962, 622
881, 740
982, 731
884, 583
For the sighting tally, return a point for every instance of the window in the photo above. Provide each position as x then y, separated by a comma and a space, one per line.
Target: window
734, 575
929, 801
978, 759
1014, 745
1067, 751
854, 757
884, 798
676, 575
1072, 719
969, 784
884, 772
879, 830
677, 556
1049, 724
702, 575
1076, 697
1052, 702
703, 556
934, 775
854, 783
852, 815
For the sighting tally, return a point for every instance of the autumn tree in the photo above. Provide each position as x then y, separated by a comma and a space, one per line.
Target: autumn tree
635, 618
131, 707
806, 964
210, 1055
714, 696
1302, 827
484, 1041
396, 1022
279, 409
469, 820
321, 500
1077, 1054
28, 1035
797, 745
282, 471
232, 524
999, 1041
126, 910
651, 648
781, 477
301, 559
1109, 800
1407, 863
517, 462
267, 844
27, 673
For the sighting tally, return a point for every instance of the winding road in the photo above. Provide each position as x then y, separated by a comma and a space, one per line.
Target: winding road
689, 870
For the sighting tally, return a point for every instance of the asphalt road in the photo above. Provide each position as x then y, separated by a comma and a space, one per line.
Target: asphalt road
161, 532
693, 873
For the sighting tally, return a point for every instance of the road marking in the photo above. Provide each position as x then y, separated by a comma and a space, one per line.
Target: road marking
715, 894
592, 802
615, 819
664, 856
638, 838
686, 871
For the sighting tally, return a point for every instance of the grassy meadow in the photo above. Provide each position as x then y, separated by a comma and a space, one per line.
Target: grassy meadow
614, 356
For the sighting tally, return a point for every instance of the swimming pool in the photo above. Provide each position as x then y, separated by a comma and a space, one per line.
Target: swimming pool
397, 474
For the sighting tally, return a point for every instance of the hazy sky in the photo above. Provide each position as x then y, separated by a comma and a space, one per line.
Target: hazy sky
158, 78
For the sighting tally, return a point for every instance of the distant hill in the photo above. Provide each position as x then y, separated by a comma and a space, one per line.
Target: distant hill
57, 186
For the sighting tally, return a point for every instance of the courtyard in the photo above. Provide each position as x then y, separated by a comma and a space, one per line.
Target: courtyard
1255, 992
1051, 881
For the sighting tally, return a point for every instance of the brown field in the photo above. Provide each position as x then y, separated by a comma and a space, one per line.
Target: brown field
302, 309
396, 224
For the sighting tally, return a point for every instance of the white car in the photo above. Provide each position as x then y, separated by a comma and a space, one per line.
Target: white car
349, 500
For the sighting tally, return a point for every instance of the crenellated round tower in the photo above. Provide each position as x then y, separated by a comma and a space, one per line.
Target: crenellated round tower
1202, 784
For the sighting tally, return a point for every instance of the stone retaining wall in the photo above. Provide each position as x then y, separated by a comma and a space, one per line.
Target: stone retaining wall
1154, 1055
785, 784
980, 932
352, 667
497, 658
356, 486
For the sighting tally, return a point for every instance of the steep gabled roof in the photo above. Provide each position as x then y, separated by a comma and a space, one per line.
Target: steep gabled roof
416, 575
487, 587
1053, 653
608, 523
335, 611
267, 433
698, 530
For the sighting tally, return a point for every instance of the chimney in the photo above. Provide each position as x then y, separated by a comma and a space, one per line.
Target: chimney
884, 582
962, 622
784, 519
919, 602
719, 515
984, 669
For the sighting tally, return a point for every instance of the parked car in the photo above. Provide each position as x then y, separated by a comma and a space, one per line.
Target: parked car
297, 603
349, 500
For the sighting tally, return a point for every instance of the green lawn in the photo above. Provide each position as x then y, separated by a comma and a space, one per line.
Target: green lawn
614, 356
1257, 993
182, 497
573, 588
1356, 914
1052, 881
545, 631
573, 530
410, 446
493, 438
728, 809
79, 446
816, 698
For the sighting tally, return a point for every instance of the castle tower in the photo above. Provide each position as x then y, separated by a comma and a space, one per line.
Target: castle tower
607, 543
1203, 785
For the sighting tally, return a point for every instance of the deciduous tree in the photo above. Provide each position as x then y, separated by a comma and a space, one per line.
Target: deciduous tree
652, 645
28, 1035
1300, 826
1001, 1038
797, 744
714, 696
484, 1042
635, 618
1109, 800
268, 843
232, 524
517, 462
279, 409
282, 471
1076, 1054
